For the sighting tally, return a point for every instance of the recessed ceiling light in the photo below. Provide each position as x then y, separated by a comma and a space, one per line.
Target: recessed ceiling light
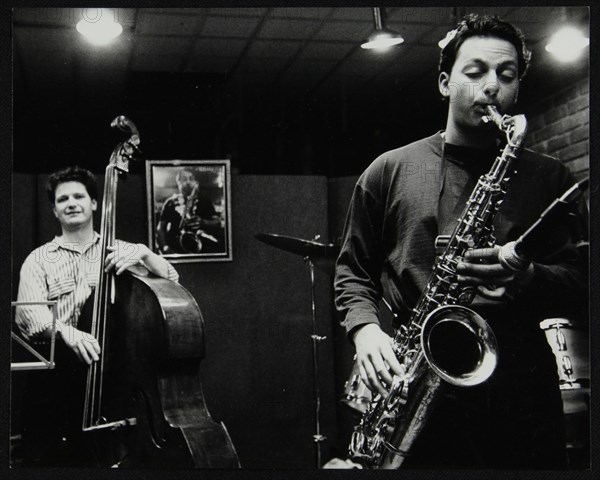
99, 25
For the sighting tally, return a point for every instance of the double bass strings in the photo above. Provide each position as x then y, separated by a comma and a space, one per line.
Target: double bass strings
94, 386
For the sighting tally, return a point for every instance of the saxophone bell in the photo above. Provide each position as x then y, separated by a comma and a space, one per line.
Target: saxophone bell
459, 345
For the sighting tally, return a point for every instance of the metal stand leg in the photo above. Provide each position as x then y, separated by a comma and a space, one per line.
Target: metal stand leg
317, 437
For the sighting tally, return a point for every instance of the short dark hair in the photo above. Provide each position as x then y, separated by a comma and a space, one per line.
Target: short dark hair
474, 25
72, 174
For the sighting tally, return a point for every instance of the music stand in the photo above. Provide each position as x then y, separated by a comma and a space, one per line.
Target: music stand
43, 363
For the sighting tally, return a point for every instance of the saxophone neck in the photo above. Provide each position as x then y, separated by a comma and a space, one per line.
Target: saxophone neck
517, 131
514, 127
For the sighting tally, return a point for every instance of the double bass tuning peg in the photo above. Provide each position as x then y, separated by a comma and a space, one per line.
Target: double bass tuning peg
131, 151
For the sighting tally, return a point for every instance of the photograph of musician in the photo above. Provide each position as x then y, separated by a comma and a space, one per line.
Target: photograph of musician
409, 196
189, 222
67, 270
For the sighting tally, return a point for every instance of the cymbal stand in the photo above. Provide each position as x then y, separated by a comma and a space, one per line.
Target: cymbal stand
317, 437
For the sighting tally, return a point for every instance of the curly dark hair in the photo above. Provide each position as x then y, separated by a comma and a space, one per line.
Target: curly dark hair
474, 25
72, 174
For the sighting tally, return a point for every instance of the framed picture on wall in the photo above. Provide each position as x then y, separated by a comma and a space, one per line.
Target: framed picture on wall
189, 209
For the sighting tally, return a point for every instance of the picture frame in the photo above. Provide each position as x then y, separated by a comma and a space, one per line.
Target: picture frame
189, 209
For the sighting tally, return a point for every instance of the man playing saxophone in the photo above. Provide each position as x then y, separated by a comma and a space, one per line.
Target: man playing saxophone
410, 196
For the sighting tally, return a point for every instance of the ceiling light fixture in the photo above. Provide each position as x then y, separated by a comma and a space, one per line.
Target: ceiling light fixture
99, 25
567, 44
382, 38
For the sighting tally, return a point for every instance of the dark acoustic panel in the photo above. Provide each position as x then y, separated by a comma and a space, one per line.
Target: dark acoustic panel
257, 309
24, 223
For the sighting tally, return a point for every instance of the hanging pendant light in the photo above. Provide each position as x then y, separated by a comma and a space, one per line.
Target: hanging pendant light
382, 38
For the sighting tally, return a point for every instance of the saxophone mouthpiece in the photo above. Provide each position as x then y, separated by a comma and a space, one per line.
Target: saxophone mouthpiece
492, 116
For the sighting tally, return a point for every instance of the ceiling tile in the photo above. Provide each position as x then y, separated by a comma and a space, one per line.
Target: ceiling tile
214, 64
280, 28
161, 45
176, 11
361, 14
330, 50
410, 32
156, 63
239, 11
274, 49
301, 12
421, 15
433, 36
344, 31
219, 47
166, 24
217, 26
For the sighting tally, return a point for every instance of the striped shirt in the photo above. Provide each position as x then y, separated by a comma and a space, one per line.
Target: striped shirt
58, 271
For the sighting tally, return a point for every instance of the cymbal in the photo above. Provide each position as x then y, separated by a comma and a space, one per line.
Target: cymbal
300, 246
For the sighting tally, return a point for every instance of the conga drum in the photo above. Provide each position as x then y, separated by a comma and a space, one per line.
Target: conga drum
571, 350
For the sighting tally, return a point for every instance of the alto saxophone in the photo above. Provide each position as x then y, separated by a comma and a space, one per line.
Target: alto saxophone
188, 240
443, 340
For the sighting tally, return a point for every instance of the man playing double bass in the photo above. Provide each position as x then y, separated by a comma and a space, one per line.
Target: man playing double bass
67, 270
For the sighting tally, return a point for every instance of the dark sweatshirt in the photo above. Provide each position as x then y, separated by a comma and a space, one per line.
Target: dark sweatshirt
410, 195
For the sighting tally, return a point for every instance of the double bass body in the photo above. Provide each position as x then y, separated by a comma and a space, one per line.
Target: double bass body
151, 384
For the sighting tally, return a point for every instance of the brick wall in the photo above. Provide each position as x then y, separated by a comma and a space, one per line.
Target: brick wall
559, 126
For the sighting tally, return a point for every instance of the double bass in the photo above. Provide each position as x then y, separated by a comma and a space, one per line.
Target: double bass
143, 399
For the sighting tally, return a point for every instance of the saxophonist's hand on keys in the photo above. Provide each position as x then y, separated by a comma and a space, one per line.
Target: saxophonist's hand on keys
377, 362
482, 268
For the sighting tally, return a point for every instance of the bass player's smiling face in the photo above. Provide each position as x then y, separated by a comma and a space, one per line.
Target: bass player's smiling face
73, 206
